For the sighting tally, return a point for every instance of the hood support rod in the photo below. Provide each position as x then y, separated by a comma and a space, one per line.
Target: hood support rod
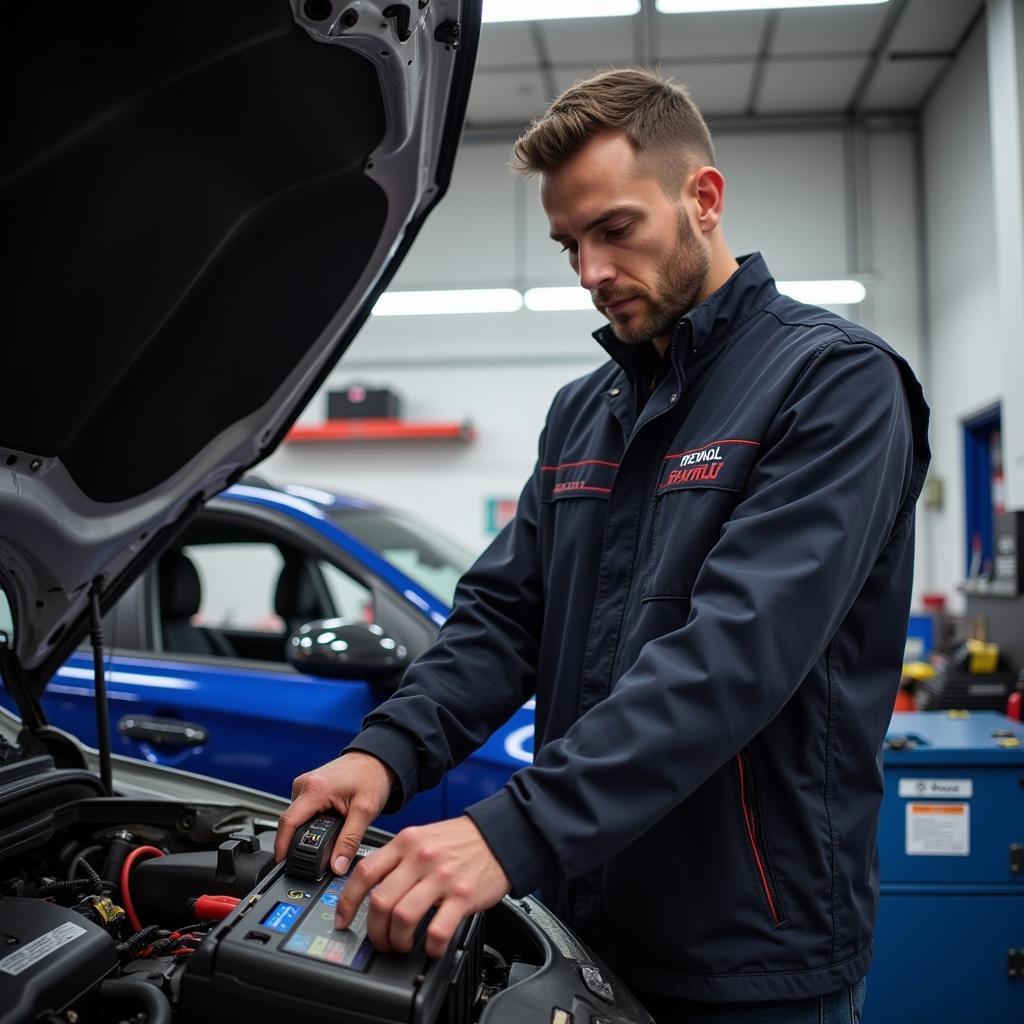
102, 712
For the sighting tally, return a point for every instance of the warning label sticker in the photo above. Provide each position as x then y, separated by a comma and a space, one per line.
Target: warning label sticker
39, 949
938, 830
937, 789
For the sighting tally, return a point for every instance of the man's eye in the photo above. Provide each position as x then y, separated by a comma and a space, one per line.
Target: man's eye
569, 247
618, 232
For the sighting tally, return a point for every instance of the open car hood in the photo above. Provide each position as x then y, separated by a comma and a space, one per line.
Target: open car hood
200, 206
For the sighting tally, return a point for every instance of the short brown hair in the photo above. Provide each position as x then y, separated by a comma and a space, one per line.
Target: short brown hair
653, 112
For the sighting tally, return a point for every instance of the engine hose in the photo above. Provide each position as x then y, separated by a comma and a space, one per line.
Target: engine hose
121, 844
138, 994
126, 868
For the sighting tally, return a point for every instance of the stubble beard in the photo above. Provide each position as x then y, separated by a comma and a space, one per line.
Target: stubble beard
680, 283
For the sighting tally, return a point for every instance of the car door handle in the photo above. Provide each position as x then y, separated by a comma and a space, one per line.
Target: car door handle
163, 732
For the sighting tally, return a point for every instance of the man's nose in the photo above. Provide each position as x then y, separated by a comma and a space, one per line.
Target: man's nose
595, 270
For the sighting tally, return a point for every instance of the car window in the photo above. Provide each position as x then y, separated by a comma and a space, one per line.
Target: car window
350, 598
237, 584
6, 617
434, 561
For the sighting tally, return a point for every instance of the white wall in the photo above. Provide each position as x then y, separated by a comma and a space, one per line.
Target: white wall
787, 195
962, 296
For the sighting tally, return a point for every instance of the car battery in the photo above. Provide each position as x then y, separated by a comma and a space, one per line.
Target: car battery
279, 957
949, 942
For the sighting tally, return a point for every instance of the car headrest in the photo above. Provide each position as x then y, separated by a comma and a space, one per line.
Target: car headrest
295, 598
180, 592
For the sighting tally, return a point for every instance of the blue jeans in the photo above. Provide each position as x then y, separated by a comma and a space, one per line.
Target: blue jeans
839, 1008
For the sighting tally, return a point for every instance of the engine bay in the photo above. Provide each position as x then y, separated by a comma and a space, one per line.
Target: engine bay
111, 907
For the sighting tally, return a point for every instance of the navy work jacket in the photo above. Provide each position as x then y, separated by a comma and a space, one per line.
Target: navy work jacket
707, 589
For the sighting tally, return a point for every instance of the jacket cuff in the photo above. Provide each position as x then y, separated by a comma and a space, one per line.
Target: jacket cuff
514, 840
395, 749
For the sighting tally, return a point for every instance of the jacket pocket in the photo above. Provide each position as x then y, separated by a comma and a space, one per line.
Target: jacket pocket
685, 526
696, 492
753, 826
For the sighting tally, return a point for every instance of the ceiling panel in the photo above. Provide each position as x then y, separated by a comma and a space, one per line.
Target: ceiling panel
708, 35
808, 86
596, 40
933, 25
506, 97
719, 90
504, 44
816, 59
902, 84
832, 30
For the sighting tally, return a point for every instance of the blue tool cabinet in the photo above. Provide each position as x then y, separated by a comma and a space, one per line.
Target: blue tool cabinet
949, 945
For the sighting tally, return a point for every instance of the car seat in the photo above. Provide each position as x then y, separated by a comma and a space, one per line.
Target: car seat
296, 598
180, 598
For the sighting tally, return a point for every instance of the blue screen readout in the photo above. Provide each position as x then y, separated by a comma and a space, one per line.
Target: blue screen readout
281, 917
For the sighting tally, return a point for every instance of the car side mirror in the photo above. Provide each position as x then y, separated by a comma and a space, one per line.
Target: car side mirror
344, 649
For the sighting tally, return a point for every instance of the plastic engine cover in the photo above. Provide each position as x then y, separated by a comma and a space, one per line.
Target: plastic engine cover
49, 957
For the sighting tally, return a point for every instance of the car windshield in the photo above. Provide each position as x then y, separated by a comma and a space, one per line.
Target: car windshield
431, 559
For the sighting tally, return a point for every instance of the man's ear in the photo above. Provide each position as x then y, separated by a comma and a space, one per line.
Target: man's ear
707, 187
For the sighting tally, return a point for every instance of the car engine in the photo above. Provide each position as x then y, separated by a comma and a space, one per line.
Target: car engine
111, 907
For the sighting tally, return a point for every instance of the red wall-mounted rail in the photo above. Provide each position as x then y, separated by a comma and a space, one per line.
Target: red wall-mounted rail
381, 430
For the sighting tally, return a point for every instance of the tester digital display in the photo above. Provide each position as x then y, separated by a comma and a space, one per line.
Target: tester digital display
281, 917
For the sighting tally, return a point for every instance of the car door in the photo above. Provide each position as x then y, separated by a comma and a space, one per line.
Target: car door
198, 680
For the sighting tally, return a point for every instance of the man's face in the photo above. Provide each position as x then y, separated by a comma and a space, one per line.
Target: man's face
632, 246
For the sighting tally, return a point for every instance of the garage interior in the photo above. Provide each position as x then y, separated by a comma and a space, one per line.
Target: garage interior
873, 152
879, 144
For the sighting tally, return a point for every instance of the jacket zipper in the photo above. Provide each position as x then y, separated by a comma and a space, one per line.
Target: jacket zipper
650, 484
755, 833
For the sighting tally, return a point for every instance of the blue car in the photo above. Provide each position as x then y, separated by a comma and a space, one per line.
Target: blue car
201, 674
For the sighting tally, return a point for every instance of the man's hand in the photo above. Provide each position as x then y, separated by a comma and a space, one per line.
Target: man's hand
447, 865
356, 784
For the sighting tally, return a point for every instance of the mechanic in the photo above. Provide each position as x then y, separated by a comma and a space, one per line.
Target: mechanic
706, 585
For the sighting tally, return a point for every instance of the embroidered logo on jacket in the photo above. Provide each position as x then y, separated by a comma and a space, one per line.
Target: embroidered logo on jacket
722, 463
582, 478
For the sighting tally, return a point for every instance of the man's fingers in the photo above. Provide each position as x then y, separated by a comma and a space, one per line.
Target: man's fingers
297, 814
367, 874
385, 899
443, 926
407, 913
356, 784
357, 820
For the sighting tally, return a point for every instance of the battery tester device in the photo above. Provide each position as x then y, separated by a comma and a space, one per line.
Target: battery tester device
310, 853
279, 956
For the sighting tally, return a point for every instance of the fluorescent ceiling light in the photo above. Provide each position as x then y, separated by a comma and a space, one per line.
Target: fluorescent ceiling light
555, 300
548, 300
824, 293
548, 10
467, 300
706, 6
818, 293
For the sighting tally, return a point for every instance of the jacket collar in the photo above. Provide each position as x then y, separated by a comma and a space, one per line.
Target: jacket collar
748, 290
